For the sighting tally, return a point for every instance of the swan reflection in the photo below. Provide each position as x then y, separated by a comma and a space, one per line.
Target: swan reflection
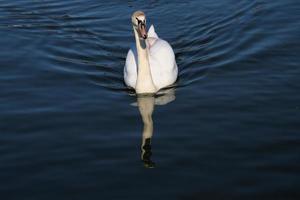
146, 105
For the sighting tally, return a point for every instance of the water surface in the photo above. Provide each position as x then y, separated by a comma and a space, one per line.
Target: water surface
70, 129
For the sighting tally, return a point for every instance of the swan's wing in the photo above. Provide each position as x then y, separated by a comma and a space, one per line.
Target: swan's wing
152, 33
152, 36
163, 65
130, 69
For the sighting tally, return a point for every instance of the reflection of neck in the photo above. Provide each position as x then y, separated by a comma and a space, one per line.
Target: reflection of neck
146, 107
144, 83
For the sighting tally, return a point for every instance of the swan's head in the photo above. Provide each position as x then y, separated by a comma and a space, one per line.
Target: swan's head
138, 20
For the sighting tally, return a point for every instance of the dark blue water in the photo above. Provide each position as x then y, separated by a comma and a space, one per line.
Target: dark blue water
70, 129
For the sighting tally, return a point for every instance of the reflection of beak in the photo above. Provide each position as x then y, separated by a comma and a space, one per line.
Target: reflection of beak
142, 30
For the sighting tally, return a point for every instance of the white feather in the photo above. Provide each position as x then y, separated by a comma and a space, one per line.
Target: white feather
151, 32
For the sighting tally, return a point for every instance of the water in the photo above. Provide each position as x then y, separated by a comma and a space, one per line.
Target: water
70, 129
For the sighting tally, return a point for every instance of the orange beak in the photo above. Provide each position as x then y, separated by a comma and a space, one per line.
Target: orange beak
142, 30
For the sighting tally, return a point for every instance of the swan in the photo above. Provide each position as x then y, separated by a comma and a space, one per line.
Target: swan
150, 64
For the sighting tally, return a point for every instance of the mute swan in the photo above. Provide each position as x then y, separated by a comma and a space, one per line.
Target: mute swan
150, 65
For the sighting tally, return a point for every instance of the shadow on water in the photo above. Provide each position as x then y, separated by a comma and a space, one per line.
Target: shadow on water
146, 105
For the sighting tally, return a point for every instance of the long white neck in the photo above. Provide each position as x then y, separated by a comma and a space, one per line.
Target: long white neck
144, 83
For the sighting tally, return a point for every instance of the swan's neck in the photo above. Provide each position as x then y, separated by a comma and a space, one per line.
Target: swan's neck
144, 83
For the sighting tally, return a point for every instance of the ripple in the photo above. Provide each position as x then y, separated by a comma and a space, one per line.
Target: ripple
67, 122
83, 36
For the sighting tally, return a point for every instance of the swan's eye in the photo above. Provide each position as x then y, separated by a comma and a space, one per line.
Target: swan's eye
139, 21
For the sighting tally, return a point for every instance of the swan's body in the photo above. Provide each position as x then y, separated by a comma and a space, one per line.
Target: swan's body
150, 65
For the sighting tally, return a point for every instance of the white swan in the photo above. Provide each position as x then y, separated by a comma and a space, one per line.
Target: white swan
150, 65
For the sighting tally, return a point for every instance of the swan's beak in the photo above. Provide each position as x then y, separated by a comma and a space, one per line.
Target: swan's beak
142, 30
